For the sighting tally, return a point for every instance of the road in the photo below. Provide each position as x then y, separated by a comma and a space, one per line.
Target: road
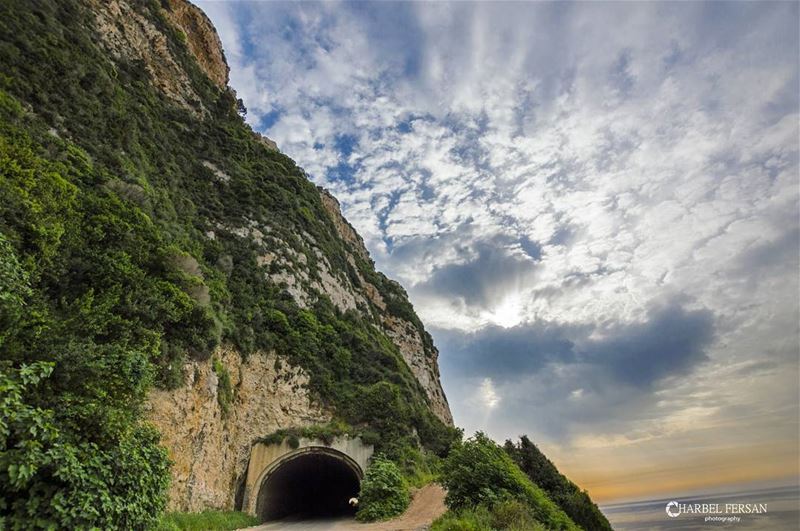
426, 506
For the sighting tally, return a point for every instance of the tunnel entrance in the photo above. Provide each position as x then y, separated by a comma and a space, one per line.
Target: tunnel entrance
309, 485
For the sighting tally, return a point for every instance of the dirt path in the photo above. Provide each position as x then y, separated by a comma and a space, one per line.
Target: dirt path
426, 506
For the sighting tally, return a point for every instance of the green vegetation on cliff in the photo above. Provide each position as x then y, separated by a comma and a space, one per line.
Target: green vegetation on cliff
512, 488
112, 278
572, 500
486, 489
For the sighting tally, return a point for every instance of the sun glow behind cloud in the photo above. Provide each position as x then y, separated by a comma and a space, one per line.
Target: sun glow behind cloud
489, 397
508, 313
594, 206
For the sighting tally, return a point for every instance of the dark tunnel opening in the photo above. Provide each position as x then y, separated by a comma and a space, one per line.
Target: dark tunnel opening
309, 486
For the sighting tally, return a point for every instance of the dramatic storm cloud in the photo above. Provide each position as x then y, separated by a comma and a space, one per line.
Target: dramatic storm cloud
593, 206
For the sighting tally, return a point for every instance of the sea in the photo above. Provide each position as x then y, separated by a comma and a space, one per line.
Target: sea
782, 512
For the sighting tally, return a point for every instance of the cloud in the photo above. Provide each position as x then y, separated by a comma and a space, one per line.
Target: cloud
582, 385
670, 341
488, 272
507, 353
488, 396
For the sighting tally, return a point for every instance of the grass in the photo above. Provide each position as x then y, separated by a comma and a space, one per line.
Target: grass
478, 519
506, 516
206, 521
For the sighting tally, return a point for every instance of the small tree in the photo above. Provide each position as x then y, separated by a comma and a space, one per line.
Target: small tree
384, 492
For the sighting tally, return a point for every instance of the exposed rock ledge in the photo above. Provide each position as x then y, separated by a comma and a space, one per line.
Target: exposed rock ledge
210, 450
202, 39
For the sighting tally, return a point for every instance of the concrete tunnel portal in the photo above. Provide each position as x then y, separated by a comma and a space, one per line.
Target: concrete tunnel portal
311, 480
313, 484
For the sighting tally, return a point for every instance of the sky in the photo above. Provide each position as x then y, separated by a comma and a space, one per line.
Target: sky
593, 207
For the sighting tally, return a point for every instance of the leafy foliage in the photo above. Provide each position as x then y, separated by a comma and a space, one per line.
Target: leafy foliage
418, 467
48, 480
477, 518
384, 492
576, 503
224, 387
514, 515
478, 472
14, 288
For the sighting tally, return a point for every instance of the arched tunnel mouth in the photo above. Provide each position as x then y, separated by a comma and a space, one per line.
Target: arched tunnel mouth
309, 486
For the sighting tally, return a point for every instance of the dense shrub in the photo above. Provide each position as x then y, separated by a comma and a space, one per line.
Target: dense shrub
514, 515
418, 467
14, 288
479, 472
384, 492
477, 518
48, 480
575, 502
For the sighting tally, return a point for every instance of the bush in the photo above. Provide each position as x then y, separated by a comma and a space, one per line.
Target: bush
507, 516
224, 387
14, 287
514, 516
48, 480
478, 472
384, 493
418, 467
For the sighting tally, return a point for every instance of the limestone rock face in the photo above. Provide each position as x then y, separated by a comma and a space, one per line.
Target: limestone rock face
345, 230
127, 34
202, 39
210, 449
422, 361
421, 358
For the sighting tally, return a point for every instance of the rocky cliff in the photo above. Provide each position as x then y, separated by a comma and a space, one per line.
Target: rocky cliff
209, 446
408, 335
173, 268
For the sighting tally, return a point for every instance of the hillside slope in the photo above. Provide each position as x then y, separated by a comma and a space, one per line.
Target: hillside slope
164, 261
